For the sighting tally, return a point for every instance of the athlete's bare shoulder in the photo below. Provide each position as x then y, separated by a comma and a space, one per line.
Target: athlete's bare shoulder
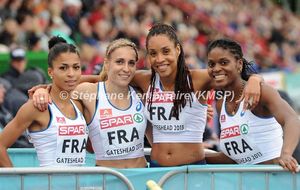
142, 79
86, 87
201, 79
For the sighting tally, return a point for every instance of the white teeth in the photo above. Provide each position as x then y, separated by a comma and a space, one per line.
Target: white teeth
162, 67
124, 76
219, 77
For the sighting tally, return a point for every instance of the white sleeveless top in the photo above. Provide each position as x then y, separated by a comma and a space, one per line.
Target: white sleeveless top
249, 139
189, 127
117, 134
63, 142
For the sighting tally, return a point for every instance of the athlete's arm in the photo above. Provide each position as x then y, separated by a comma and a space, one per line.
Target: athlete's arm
148, 132
251, 94
141, 79
289, 121
13, 130
89, 78
32, 92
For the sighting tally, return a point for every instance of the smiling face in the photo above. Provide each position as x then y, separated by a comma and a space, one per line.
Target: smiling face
65, 71
163, 55
121, 66
223, 67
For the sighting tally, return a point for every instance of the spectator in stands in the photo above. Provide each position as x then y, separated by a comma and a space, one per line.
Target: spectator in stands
5, 115
71, 14
18, 76
14, 99
271, 36
27, 24
250, 137
90, 58
10, 101
17, 65
8, 35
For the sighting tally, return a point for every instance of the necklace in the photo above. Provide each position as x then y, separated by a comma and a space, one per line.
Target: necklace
235, 104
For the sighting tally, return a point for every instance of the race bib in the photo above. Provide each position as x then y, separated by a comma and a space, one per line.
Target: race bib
120, 134
236, 144
71, 145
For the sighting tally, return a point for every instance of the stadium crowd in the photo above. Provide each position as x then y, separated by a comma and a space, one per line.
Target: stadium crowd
266, 31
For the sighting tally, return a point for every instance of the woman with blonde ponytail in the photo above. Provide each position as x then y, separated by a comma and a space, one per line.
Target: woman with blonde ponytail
103, 75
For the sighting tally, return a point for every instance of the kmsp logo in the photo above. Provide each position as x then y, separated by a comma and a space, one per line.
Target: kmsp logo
223, 118
139, 106
138, 118
105, 113
61, 120
244, 129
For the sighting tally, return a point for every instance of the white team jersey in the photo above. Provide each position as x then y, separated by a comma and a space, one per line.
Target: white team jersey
249, 139
117, 134
188, 128
63, 142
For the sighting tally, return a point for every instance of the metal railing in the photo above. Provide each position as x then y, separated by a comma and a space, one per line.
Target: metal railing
67, 170
239, 169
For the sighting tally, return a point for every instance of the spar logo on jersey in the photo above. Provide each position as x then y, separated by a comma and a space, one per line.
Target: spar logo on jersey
105, 113
223, 118
162, 97
61, 120
116, 121
71, 130
230, 132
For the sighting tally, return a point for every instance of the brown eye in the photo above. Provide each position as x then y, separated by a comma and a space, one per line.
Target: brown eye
224, 62
211, 64
63, 68
77, 67
131, 63
166, 51
152, 54
119, 61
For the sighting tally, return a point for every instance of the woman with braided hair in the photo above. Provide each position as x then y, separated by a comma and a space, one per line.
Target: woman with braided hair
251, 136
